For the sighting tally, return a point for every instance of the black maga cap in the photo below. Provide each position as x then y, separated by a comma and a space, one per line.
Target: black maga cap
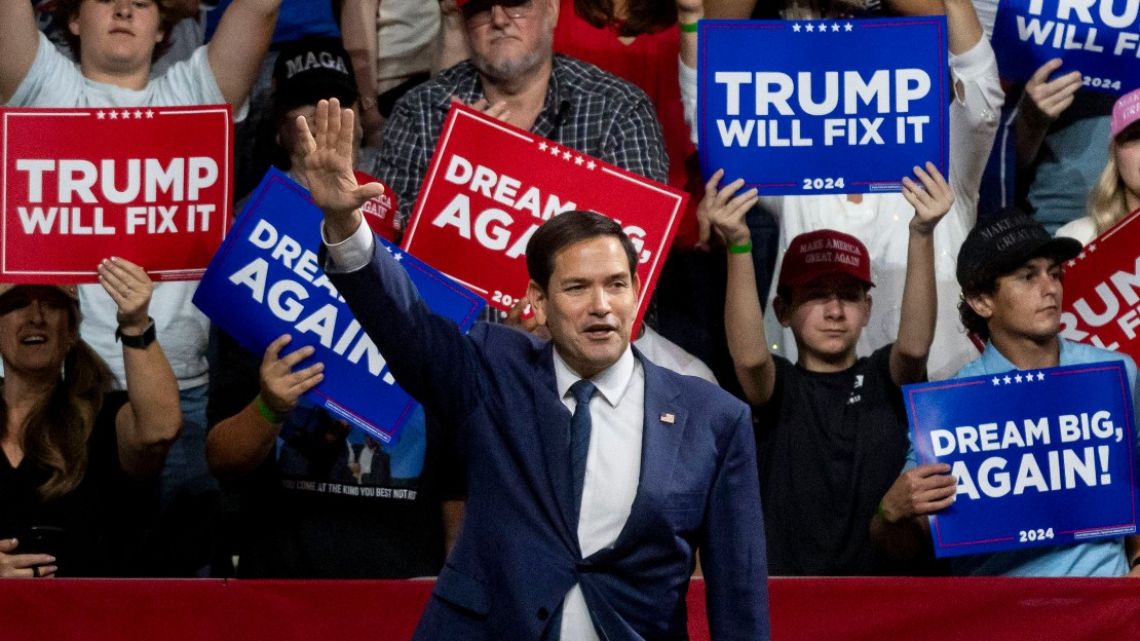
1003, 244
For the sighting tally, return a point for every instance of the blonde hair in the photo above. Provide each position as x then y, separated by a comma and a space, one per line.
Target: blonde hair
1107, 203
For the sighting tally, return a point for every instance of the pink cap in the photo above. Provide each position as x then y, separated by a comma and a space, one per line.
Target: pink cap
821, 253
1126, 111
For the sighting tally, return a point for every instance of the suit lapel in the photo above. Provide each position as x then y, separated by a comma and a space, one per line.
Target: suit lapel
662, 432
554, 434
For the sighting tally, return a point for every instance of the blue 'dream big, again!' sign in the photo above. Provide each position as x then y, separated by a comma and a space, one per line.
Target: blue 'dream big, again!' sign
822, 106
1041, 457
1099, 38
265, 281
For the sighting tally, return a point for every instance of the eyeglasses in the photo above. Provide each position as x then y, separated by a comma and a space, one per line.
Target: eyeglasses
480, 12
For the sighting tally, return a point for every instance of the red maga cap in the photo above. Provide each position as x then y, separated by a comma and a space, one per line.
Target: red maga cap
821, 253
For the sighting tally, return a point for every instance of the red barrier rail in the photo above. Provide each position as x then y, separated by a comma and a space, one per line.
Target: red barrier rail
802, 610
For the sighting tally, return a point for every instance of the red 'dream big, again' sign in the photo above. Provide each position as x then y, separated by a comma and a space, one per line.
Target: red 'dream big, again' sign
150, 184
489, 187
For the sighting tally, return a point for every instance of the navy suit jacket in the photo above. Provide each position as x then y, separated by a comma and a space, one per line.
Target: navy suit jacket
518, 553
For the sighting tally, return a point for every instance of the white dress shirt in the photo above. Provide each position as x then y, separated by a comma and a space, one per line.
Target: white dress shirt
613, 462
613, 467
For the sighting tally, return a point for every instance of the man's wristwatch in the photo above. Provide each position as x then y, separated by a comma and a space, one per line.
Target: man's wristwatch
141, 341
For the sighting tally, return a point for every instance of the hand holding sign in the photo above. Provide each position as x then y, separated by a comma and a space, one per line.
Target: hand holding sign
326, 168
281, 386
723, 210
931, 201
130, 287
1045, 100
919, 491
1036, 457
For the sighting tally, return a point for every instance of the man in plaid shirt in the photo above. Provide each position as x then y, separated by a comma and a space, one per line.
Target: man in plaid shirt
512, 73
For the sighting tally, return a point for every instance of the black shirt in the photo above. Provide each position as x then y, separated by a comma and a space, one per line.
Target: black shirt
100, 522
320, 505
829, 447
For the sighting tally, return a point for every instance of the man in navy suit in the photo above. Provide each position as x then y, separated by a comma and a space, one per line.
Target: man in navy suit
594, 476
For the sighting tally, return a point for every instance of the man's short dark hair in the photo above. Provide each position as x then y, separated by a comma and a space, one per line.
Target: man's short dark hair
170, 13
567, 229
971, 320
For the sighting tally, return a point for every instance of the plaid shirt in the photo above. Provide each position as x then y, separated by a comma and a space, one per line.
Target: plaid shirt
586, 109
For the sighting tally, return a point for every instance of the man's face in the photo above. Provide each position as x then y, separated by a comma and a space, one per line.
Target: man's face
117, 35
1026, 302
510, 38
827, 316
589, 304
35, 330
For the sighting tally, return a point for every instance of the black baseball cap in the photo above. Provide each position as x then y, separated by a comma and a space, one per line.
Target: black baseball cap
310, 70
1003, 243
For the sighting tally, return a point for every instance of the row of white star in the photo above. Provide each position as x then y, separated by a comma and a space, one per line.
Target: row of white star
125, 114
567, 155
1091, 247
810, 27
1018, 378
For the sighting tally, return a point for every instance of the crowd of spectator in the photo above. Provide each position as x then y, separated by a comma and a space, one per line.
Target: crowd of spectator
99, 477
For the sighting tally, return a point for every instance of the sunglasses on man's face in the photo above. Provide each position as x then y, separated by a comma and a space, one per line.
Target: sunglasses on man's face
478, 12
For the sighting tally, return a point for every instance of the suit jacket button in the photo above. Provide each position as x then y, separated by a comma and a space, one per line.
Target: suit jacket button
543, 613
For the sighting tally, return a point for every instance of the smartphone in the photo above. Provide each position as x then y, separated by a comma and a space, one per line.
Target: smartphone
42, 539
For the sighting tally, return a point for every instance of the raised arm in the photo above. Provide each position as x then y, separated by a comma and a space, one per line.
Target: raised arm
239, 46
428, 356
452, 47
723, 210
1042, 102
729, 8
151, 419
19, 41
688, 13
358, 27
962, 24
238, 444
975, 112
931, 201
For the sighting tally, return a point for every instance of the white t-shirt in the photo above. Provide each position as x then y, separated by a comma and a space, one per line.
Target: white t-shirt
56, 81
665, 353
406, 38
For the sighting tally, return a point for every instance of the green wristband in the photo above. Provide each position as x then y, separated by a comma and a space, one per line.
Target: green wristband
689, 27
268, 413
742, 248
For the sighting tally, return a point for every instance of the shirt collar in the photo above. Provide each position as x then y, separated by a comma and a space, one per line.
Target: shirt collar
469, 89
995, 362
612, 382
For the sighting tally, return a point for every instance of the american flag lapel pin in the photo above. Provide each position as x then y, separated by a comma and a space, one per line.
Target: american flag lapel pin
667, 418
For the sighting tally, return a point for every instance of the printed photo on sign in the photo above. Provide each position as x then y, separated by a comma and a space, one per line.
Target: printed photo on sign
808, 117
1041, 457
1099, 38
490, 186
266, 281
1102, 291
149, 184
323, 454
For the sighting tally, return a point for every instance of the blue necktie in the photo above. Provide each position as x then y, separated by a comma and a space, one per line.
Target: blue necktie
583, 391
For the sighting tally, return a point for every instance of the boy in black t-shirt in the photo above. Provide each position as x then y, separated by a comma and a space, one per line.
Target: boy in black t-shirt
831, 429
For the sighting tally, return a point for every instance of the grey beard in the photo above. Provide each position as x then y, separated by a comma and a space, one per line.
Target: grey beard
511, 70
